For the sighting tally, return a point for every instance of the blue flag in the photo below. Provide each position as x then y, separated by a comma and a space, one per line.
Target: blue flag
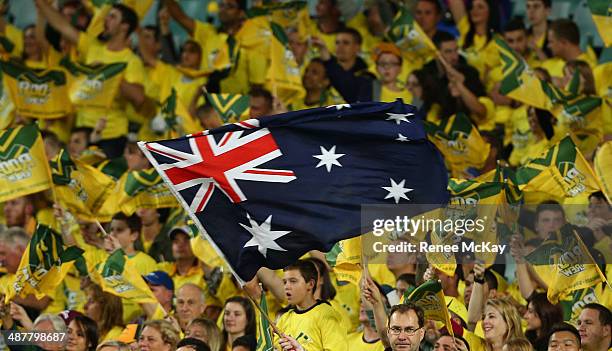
265, 191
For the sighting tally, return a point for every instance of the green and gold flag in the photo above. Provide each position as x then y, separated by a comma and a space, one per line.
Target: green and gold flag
6, 104
559, 171
142, 189
601, 11
37, 93
603, 168
520, 83
23, 163
231, 108
460, 143
406, 33
265, 341
345, 260
80, 188
582, 116
564, 264
430, 297
283, 78
94, 86
44, 264
118, 276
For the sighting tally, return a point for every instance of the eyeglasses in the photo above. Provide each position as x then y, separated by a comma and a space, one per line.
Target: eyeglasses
398, 330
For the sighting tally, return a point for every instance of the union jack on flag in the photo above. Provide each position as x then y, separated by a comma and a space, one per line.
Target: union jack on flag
266, 191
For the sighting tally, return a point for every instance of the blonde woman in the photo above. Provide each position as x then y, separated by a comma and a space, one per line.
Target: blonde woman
518, 344
205, 330
158, 335
500, 323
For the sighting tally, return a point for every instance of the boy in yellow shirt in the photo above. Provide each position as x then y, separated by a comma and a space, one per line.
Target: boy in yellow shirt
314, 324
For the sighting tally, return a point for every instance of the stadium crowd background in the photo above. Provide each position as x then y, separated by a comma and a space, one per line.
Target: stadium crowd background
342, 56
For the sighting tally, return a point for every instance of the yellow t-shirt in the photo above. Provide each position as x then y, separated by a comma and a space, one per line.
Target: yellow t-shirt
144, 263
251, 66
112, 334
387, 95
482, 54
91, 50
11, 41
317, 328
347, 301
356, 342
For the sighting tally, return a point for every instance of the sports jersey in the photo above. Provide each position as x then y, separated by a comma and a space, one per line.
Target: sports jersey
356, 342
144, 263
91, 51
11, 41
387, 95
316, 328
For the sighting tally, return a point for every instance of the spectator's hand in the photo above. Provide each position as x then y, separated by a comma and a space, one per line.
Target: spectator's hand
19, 314
479, 271
429, 274
517, 249
111, 244
319, 44
278, 106
164, 20
288, 343
96, 135
253, 289
460, 345
370, 292
596, 225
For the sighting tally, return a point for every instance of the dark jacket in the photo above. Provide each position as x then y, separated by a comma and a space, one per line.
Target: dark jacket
355, 84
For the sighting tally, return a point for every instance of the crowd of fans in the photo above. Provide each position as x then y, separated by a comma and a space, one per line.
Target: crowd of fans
341, 60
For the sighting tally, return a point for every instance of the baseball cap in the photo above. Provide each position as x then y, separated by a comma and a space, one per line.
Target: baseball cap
385, 48
159, 278
179, 229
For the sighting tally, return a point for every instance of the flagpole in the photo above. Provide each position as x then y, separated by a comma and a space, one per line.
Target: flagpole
264, 314
101, 228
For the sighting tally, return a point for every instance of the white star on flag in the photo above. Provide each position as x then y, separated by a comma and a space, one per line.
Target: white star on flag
397, 190
328, 158
263, 236
339, 106
399, 117
400, 137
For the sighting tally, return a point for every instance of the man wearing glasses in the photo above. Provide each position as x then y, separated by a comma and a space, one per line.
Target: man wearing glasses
405, 327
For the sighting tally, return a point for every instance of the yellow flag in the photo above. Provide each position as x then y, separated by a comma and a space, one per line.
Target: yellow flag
37, 93
565, 264
6, 105
430, 297
44, 264
348, 266
118, 276
23, 164
81, 188
95, 85
560, 171
283, 78
603, 168
142, 189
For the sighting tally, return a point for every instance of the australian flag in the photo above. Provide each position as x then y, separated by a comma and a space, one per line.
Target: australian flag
265, 191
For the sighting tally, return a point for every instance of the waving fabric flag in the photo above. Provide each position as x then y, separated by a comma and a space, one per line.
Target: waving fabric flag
265, 191
602, 16
230, 107
23, 164
408, 35
430, 297
142, 189
44, 264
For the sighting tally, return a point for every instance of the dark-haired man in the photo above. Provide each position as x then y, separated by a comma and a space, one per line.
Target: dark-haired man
405, 328
111, 46
564, 44
313, 323
595, 327
565, 337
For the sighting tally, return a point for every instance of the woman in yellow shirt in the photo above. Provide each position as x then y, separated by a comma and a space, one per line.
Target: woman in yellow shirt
388, 59
477, 26
107, 310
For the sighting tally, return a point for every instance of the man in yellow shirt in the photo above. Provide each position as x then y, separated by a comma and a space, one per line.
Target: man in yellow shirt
111, 46
564, 44
314, 324
233, 39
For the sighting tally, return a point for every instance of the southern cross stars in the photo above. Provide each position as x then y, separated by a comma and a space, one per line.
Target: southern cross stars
263, 235
400, 137
397, 190
339, 106
328, 158
399, 117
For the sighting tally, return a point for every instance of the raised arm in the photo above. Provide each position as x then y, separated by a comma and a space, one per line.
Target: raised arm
180, 16
457, 9
477, 300
57, 21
